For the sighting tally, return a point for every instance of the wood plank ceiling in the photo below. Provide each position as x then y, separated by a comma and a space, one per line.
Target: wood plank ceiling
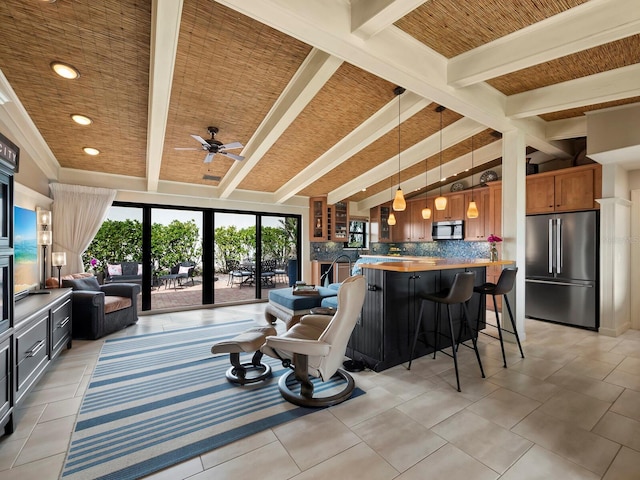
307, 87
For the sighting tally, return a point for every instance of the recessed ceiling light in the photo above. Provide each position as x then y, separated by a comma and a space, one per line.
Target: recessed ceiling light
65, 70
91, 151
50, 1
81, 119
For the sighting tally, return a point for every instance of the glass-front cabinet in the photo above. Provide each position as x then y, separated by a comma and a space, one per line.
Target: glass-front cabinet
340, 222
318, 219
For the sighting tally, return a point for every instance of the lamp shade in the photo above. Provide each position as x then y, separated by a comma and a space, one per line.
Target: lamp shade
44, 237
440, 203
58, 259
392, 219
399, 203
44, 217
426, 213
472, 210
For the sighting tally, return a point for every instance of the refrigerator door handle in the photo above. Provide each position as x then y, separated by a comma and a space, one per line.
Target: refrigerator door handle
549, 282
559, 245
550, 255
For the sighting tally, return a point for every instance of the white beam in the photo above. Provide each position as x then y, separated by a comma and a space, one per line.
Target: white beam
367, 132
368, 17
165, 30
451, 135
567, 128
23, 132
390, 54
314, 72
454, 167
599, 88
586, 26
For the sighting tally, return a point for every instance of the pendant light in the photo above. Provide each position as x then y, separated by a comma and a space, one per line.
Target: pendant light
426, 211
399, 204
391, 220
440, 201
472, 210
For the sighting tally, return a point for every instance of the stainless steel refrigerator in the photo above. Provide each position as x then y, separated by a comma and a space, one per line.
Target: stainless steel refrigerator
562, 268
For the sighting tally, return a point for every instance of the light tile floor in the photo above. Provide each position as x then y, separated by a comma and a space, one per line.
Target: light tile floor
570, 410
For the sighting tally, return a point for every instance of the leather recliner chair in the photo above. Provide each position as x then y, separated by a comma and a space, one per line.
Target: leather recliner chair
316, 347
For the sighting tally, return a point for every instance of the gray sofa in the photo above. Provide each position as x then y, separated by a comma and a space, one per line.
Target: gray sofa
129, 273
99, 310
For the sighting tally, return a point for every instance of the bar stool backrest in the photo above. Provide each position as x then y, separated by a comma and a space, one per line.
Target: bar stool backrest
461, 289
506, 281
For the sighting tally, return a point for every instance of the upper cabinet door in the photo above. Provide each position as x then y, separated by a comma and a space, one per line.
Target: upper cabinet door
574, 191
540, 194
318, 219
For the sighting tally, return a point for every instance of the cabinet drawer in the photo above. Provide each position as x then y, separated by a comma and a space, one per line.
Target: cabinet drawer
31, 353
5, 377
60, 326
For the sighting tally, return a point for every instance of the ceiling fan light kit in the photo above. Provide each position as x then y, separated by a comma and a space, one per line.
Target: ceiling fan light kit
213, 146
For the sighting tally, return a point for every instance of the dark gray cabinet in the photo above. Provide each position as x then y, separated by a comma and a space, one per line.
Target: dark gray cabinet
384, 334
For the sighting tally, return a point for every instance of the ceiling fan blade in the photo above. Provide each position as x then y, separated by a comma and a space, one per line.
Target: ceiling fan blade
209, 157
231, 146
201, 140
232, 155
186, 148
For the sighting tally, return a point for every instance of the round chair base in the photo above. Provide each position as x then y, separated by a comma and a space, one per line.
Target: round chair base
249, 373
304, 401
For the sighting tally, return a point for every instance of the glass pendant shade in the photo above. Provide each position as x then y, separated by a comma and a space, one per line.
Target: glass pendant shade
472, 211
399, 203
440, 203
392, 219
426, 213
44, 237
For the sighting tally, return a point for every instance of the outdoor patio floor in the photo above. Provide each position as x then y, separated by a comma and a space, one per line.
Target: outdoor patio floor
191, 295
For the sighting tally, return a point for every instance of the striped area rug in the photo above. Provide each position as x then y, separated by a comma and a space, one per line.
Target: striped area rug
159, 399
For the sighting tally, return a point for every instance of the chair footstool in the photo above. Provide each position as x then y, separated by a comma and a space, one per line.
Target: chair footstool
248, 341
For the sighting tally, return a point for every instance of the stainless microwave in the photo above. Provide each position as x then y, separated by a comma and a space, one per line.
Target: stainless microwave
450, 230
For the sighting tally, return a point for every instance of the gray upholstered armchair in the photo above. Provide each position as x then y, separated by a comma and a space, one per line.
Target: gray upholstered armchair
99, 310
316, 347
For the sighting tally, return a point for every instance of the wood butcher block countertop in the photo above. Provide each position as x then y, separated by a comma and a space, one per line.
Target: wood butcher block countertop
424, 264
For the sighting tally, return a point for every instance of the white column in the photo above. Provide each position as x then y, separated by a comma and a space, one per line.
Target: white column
514, 166
615, 252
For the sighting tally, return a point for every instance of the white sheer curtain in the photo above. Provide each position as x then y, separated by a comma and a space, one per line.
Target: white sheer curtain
78, 213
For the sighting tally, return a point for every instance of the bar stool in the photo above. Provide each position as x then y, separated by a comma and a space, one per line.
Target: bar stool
460, 292
504, 286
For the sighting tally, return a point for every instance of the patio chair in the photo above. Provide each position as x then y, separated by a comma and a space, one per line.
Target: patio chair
185, 271
268, 273
237, 275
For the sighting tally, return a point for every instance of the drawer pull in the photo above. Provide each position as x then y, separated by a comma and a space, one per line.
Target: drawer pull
36, 348
64, 322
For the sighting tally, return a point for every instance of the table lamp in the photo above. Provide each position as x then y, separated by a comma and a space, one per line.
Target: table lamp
59, 259
44, 238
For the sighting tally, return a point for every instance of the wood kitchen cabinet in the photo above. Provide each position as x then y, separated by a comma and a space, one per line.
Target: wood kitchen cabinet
401, 231
379, 229
478, 228
565, 190
455, 209
420, 228
318, 219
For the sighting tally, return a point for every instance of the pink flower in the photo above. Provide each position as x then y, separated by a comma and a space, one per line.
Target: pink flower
493, 238
93, 262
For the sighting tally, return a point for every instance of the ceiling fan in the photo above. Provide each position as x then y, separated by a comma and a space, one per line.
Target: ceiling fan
213, 146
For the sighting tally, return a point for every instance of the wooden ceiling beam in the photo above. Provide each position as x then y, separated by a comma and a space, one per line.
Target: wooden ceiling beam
586, 26
598, 88
368, 17
383, 121
314, 72
165, 30
451, 135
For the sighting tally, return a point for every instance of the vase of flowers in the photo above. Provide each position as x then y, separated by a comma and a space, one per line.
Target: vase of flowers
493, 251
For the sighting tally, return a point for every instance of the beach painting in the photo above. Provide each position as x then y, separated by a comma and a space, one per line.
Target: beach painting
25, 250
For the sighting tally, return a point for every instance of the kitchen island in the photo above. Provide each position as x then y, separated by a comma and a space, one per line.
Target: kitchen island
383, 337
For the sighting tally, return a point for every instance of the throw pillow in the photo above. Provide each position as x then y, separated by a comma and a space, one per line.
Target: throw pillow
139, 269
183, 269
86, 283
114, 270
